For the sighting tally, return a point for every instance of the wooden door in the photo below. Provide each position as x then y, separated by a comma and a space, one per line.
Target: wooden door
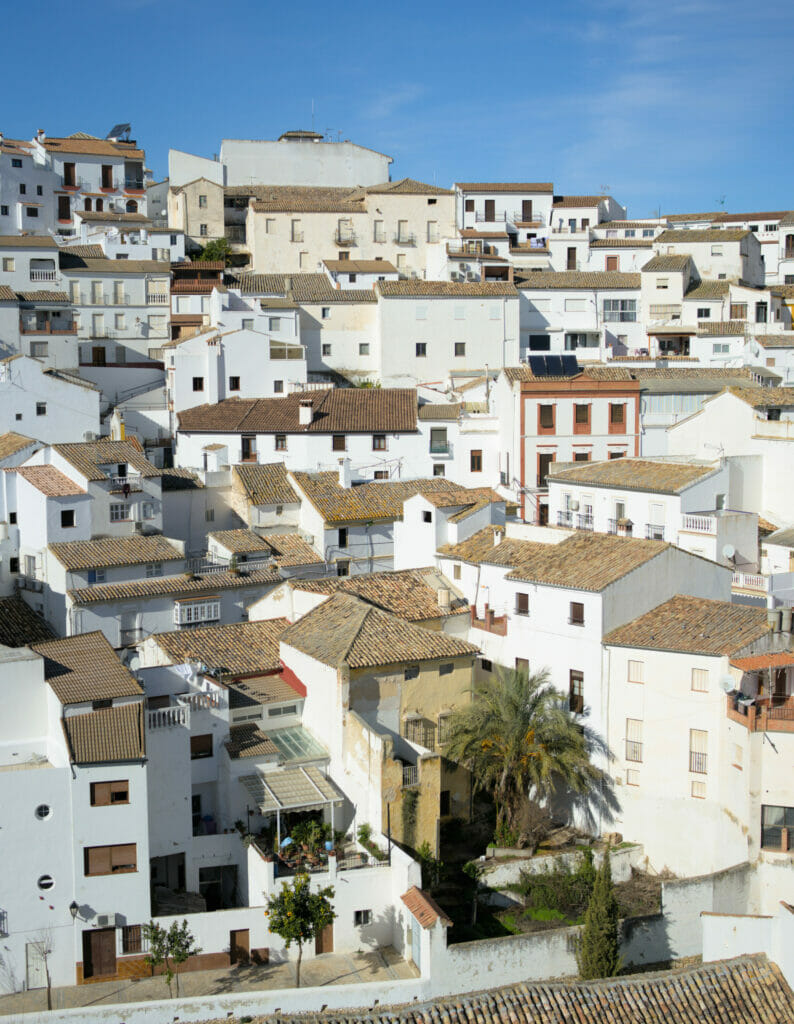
612, 263
64, 209
36, 971
779, 692
526, 209
99, 953
324, 943
98, 355
239, 946
490, 209
571, 261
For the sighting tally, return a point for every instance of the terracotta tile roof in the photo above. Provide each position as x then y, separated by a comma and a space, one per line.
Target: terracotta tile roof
708, 290
764, 398
174, 479
381, 499
424, 908
441, 410
579, 201
81, 143
290, 549
607, 225
304, 288
675, 217
589, 279
786, 291
474, 233
106, 735
239, 542
410, 593
239, 648
783, 340
187, 267
720, 328
109, 551
49, 481
7, 294
179, 587
668, 261
635, 475
694, 236
248, 740
275, 688
347, 630
266, 483
87, 456
584, 561
360, 266
11, 443
91, 252
27, 242
693, 625
111, 217
84, 668
757, 662
15, 147
621, 243
672, 373
73, 264
337, 410
505, 186
43, 295
613, 373
749, 990
306, 199
407, 187
415, 287
20, 625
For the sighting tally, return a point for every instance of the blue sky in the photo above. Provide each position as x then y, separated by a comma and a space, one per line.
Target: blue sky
671, 105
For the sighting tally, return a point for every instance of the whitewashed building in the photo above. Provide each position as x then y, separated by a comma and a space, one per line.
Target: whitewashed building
50, 404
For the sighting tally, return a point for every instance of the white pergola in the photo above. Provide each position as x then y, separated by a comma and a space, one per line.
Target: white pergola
293, 789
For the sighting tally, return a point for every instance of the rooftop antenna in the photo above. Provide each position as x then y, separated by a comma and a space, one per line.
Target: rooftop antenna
312, 115
721, 202
604, 190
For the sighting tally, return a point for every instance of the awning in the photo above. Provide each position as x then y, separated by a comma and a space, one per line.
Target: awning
291, 790
756, 662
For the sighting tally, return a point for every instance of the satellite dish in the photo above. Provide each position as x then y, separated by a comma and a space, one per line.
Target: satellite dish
574, 506
729, 551
728, 683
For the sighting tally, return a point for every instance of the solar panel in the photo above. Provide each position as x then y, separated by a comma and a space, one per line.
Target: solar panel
554, 366
538, 366
570, 366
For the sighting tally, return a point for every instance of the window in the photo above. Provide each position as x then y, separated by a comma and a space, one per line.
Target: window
274, 323
421, 349
41, 408
351, 278
576, 617
704, 312
338, 443
379, 232
460, 348
581, 418
379, 442
104, 794
283, 711
456, 571
203, 229
131, 939
663, 283
698, 790
110, 860
522, 665
22, 189
738, 311
546, 419
411, 672
381, 474
154, 569
8, 264
278, 387
13, 565
575, 305
16, 162
234, 383
3, 211
647, 232
620, 310
716, 250
198, 383
362, 917
576, 691
700, 679
617, 418
468, 206
188, 613
200, 746
581, 456
773, 821
475, 460
522, 604
446, 669
119, 513
342, 537
486, 665
67, 518
760, 312
202, 202
343, 567
427, 516
363, 348
281, 442
326, 349
698, 751
633, 739
209, 515
439, 469
12, 518
636, 672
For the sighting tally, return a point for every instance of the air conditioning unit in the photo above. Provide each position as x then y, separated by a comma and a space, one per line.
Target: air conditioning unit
106, 920
139, 526
89, 435
471, 276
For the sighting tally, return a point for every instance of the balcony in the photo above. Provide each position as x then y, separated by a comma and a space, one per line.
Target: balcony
168, 718
471, 250
496, 216
403, 239
698, 762
763, 714
30, 583
439, 447
73, 184
156, 299
633, 750
699, 524
654, 532
749, 581
345, 238
199, 701
492, 623
297, 236
517, 217
564, 519
36, 326
410, 775
584, 522
133, 185
43, 275
622, 527
126, 484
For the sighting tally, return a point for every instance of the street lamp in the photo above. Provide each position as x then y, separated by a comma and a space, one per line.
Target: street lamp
74, 908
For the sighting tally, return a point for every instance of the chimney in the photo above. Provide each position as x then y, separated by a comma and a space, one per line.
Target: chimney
773, 619
443, 599
305, 412
497, 537
785, 620
40, 136
1, 138
287, 284
344, 474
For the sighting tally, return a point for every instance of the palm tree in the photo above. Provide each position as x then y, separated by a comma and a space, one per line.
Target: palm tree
518, 736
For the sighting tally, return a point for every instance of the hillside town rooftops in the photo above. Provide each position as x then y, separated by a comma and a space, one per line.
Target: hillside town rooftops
540, 280
88, 456
440, 410
238, 648
90, 145
103, 552
360, 266
412, 287
668, 262
27, 242
424, 908
347, 630
20, 625
248, 740
693, 625
764, 398
721, 328
11, 443
407, 187
708, 290
336, 410
266, 483
633, 474
111, 217
239, 542
85, 668
49, 481
621, 243
181, 586
106, 735
696, 236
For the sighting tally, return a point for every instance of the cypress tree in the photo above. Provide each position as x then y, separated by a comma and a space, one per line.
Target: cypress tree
598, 952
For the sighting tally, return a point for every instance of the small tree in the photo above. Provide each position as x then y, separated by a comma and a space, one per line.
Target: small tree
298, 915
474, 870
167, 947
43, 944
217, 249
598, 953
